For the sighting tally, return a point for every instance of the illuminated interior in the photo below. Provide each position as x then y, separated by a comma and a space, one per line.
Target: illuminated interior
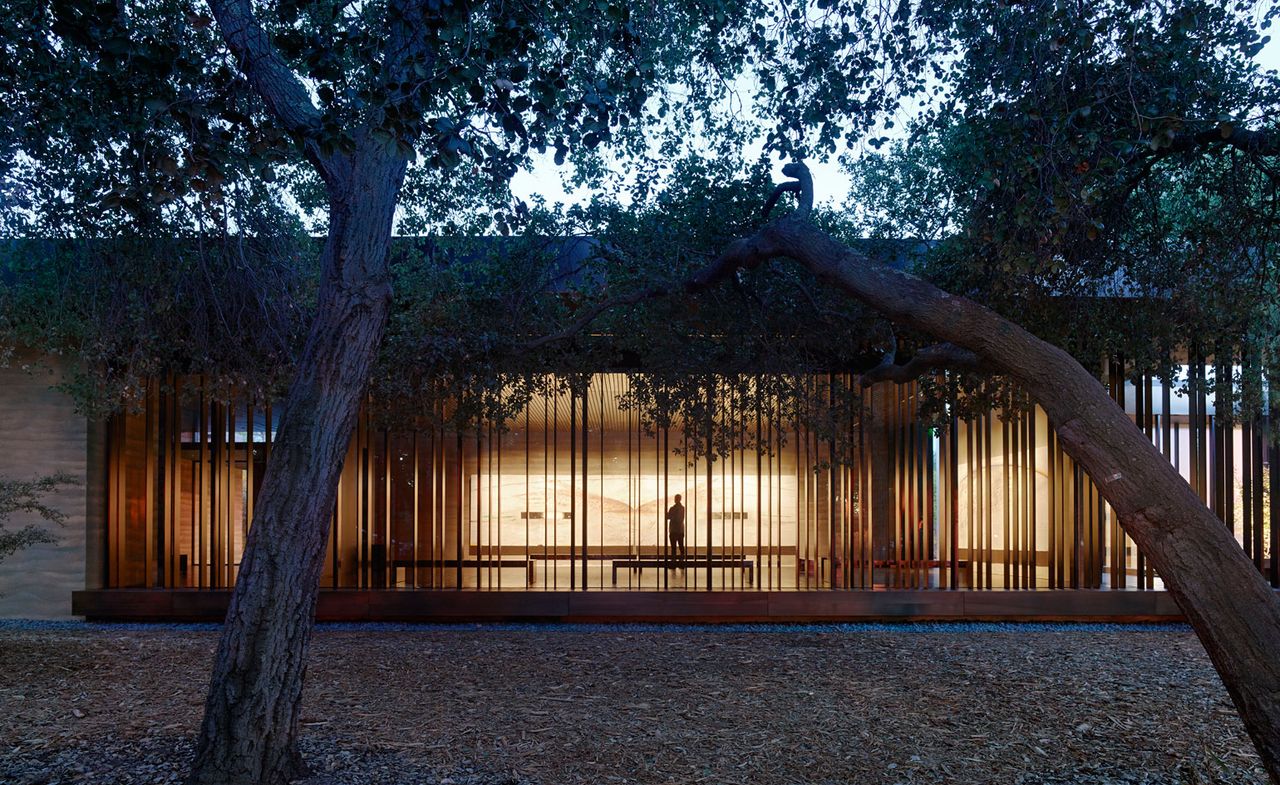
572, 495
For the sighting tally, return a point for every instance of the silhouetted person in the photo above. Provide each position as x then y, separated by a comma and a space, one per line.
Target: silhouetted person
675, 530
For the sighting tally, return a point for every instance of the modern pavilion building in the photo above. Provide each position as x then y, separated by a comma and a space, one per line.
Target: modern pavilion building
560, 515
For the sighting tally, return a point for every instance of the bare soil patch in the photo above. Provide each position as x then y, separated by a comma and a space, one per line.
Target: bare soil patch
560, 705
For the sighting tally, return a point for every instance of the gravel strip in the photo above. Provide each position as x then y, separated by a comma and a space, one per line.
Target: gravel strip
520, 703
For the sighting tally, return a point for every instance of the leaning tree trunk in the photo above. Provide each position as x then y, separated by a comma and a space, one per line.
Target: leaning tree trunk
249, 734
1232, 609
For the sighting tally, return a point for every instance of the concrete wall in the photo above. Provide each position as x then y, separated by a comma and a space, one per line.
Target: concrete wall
40, 433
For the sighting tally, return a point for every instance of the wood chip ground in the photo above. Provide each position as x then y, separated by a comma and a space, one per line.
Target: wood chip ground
559, 705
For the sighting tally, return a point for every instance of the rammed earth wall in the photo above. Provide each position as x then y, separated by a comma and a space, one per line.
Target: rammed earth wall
41, 433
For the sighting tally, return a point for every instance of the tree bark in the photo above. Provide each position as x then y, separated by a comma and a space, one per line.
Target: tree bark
250, 728
250, 724
1231, 607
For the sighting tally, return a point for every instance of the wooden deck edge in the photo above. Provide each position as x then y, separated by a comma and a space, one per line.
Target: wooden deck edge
188, 605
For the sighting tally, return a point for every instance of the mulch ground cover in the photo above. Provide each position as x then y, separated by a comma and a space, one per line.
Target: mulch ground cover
658, 704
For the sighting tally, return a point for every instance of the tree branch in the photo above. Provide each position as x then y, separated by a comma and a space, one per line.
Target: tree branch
801, 185
743, 254
593, 313
1262, 143
778, 191
286, 97
405, 47
929, 358
800, 173
1259, 144
1252, 142
891, 354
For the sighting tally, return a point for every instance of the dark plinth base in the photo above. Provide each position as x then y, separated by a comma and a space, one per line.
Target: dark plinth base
669, 606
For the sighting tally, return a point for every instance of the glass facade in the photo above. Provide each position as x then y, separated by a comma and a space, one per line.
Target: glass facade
573, 494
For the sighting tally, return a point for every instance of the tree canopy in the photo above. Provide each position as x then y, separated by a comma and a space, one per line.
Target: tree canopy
1102, 174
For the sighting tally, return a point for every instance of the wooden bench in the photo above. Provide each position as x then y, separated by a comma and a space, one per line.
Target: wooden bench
964, 567
658, 562
549, 560
522, 564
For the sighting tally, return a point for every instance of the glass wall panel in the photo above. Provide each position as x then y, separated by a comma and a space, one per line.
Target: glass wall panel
573, 493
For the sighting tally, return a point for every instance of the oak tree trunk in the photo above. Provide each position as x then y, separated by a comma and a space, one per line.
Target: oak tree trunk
1232, 609
249, 734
